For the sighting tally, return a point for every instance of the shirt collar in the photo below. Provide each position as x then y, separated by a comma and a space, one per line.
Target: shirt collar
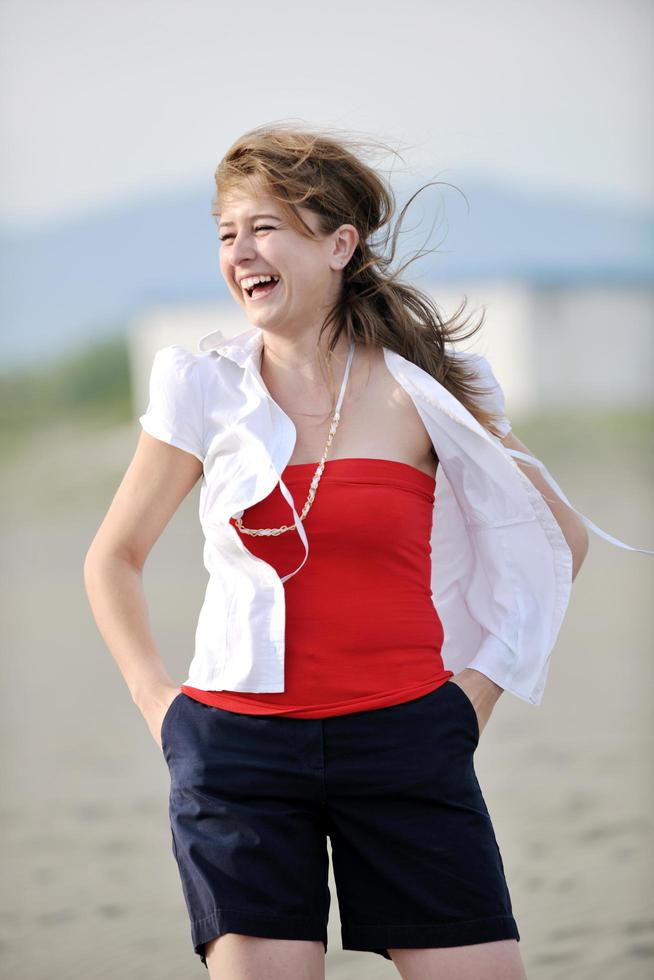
240, 348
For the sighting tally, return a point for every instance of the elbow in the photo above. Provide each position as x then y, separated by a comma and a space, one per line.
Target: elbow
88, 562
578, 542
96, 562
93, 558
93, 563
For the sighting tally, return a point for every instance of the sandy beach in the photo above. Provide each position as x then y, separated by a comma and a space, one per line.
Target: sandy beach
91, 888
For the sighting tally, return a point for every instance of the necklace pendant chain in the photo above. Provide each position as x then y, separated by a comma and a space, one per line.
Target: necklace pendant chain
319, 469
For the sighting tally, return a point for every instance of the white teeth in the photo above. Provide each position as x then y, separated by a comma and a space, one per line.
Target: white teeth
252, 281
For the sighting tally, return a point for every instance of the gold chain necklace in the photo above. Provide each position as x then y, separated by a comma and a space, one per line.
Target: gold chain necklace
321, 465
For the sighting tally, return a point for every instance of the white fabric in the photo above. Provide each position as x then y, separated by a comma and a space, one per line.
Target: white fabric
501, 567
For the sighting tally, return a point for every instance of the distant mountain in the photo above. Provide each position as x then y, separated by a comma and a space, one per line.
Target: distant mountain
75, 282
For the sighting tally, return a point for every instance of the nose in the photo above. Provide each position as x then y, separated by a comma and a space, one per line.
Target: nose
242, 247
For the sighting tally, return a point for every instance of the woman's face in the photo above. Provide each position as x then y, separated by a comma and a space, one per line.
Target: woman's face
256, 238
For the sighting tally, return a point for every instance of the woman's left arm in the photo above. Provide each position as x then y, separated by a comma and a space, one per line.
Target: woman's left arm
573, 528
482, 691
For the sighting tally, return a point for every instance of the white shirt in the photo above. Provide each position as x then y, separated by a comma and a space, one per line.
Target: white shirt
501, 567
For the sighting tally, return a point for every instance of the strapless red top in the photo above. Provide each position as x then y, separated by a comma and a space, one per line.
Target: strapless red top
362, 630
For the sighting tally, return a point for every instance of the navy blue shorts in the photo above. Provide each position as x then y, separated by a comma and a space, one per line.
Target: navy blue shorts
253, 799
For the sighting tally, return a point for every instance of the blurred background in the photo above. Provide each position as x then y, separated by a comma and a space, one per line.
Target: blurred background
536, 119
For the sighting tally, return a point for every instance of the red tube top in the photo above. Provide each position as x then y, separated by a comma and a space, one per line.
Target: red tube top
362, 631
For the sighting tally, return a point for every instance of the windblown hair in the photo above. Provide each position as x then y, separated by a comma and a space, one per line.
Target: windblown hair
300, 168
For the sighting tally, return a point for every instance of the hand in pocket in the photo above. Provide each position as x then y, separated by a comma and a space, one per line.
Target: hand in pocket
481, 692
157, 707
469, 695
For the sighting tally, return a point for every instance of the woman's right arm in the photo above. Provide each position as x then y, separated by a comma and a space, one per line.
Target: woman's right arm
155, 483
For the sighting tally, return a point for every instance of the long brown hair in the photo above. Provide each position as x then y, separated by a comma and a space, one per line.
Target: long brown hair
300, 167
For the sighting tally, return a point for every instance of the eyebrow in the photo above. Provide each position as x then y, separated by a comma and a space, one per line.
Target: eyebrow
254, 218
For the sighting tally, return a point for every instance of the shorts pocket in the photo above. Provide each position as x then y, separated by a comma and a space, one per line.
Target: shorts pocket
166, 719
469, 707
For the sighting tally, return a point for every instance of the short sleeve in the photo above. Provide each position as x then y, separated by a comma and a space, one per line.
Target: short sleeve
175, 409
493, 399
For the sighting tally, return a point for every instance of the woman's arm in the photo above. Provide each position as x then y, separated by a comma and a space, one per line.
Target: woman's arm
572, 527
155, 483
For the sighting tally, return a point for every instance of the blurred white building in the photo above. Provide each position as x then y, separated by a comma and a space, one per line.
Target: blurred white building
549, 346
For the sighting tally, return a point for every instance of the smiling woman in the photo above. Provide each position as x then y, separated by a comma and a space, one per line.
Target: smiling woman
427, 573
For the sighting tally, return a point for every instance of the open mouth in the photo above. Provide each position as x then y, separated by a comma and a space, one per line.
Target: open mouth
261, 289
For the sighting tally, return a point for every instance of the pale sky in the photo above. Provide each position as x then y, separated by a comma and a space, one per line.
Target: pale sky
102, 101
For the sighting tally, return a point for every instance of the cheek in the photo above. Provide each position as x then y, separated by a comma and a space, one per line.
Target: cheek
228, 275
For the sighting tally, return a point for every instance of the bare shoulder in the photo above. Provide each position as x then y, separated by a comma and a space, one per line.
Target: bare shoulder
398, 427
381, 380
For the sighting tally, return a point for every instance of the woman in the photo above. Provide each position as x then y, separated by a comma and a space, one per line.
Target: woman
380, 571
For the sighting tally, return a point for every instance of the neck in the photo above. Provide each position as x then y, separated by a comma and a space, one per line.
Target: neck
302, 361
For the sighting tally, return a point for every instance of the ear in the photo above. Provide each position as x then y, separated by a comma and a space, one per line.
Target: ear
345, 240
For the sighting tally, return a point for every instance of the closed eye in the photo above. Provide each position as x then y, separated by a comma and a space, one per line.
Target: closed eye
224, 238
